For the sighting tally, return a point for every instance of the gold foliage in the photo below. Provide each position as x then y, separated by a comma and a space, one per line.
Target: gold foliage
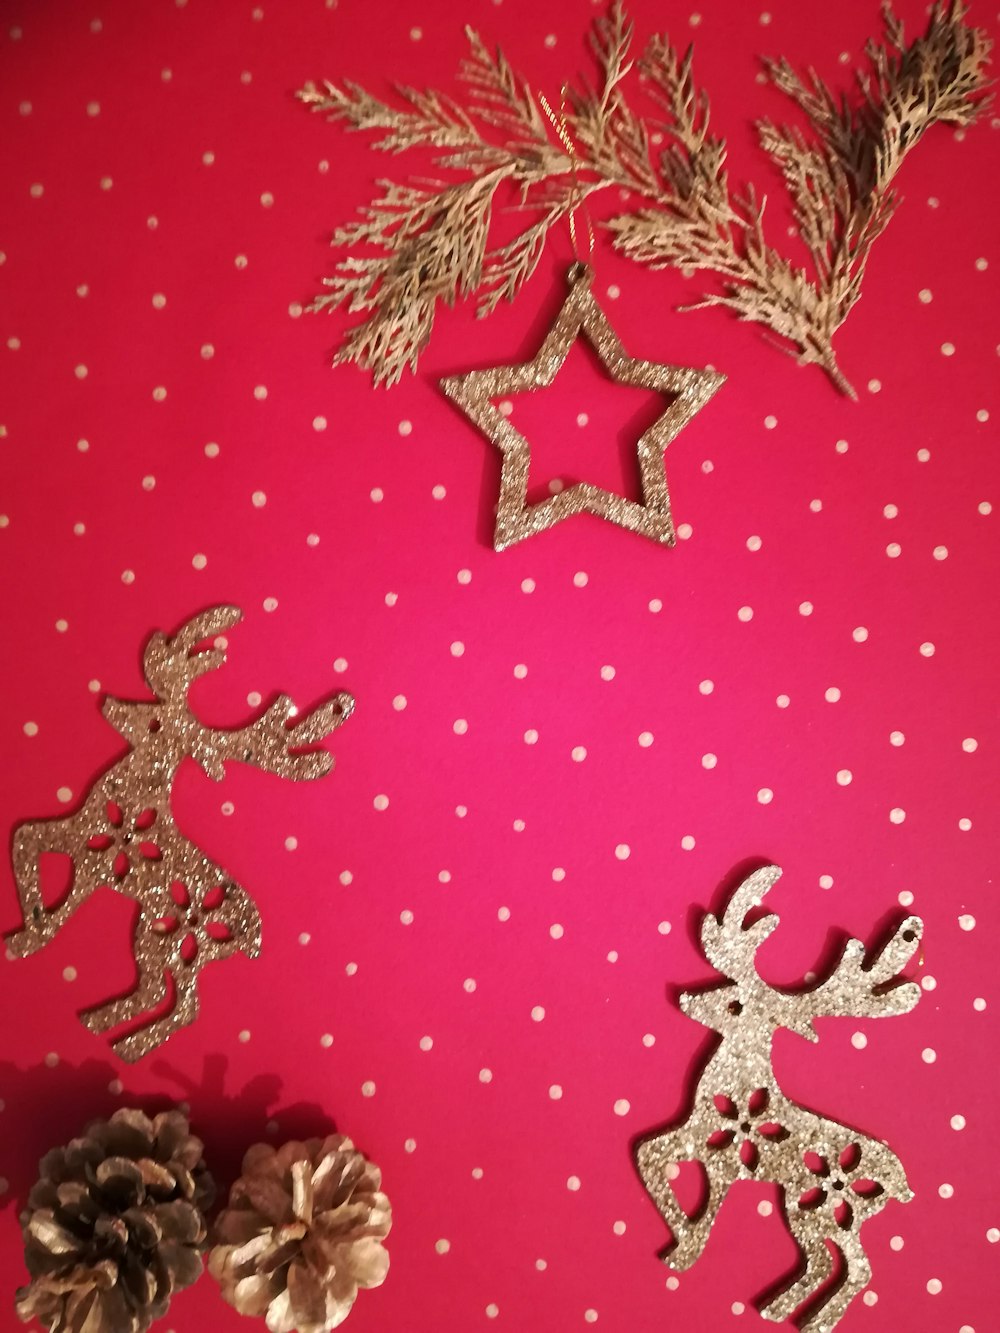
428, 241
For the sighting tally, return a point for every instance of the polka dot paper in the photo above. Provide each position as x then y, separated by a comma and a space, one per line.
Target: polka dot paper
474, 931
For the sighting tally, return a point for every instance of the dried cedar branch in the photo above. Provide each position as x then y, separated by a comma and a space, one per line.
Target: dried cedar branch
426, 242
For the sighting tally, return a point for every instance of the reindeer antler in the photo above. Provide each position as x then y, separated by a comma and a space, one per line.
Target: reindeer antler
271, 744
728, 943
861, 987
171, 664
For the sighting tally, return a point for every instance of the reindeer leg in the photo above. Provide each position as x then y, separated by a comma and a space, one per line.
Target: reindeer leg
689, 1235
819, 1266
40, 924
857, 1275
150, 991
185, 1011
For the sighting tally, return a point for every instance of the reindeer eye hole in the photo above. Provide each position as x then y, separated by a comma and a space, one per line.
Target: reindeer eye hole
154, 724
908, 935
734, 1007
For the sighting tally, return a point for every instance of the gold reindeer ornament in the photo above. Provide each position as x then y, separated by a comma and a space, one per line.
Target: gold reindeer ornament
743, 1127
191, 911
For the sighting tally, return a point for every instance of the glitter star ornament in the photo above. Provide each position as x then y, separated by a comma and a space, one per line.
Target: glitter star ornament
689, 389
742, 1126
191, 912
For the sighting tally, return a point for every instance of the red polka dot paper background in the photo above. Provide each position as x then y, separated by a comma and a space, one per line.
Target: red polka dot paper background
474, 928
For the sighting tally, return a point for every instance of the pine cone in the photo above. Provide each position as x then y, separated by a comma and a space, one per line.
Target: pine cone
115, 1226
303, 1231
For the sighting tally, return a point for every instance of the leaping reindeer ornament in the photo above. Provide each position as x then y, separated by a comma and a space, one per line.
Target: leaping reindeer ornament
742, 1126
191, 911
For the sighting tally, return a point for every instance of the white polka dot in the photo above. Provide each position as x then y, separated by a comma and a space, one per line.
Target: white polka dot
426, 1043
982, 416
590, 1316
438, 492
340, 665
578, 753
460, 726
406, 917
979, 1004
967, 921
486, 1075
927, 650
199, 561
464, 576
765, 796
754, 543
520, 671
923, 455
623, 851
518, 826
935, 1286
649, 1040
346, 878
897, 815
556, 931
905, 898
928, 1055
211, 450
841, 446
684, 531
503, 913
826, 881
896, 738
765, 1208
770, 422
442, 1246
270, 604
304, 938
64, 794
376, 494
664, 928
706, 687
928, 983
69, 973
845, 777
381, 802
896, 1243
805, 608
860, 635
619, 1228
893, 550
890, 511
531, 736
946, 1191
745, 613
31, 728
527, 585
492, 1311
244, 1036
947, 349
965, 825
258, 499
580, 579
52, 1059
870, 1298
469, 985
737, 1307
607, 673
558, 874
874, 386
62, 626
832, 695
368, 1088
291, 844
573, 1183
925, 295
859, 1041
782, 701
940, 553
399, 702
405, 427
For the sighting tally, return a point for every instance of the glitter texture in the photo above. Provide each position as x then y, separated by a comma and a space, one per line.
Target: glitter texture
190, 911
689, 388
743, 1127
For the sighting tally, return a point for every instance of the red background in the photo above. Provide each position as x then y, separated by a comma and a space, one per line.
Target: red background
113, 108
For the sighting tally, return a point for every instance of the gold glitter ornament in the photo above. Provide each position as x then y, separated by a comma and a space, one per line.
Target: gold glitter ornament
689, 388
743, 1127
191, 911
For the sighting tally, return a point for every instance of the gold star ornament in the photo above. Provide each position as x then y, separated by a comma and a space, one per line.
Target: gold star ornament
689, 389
